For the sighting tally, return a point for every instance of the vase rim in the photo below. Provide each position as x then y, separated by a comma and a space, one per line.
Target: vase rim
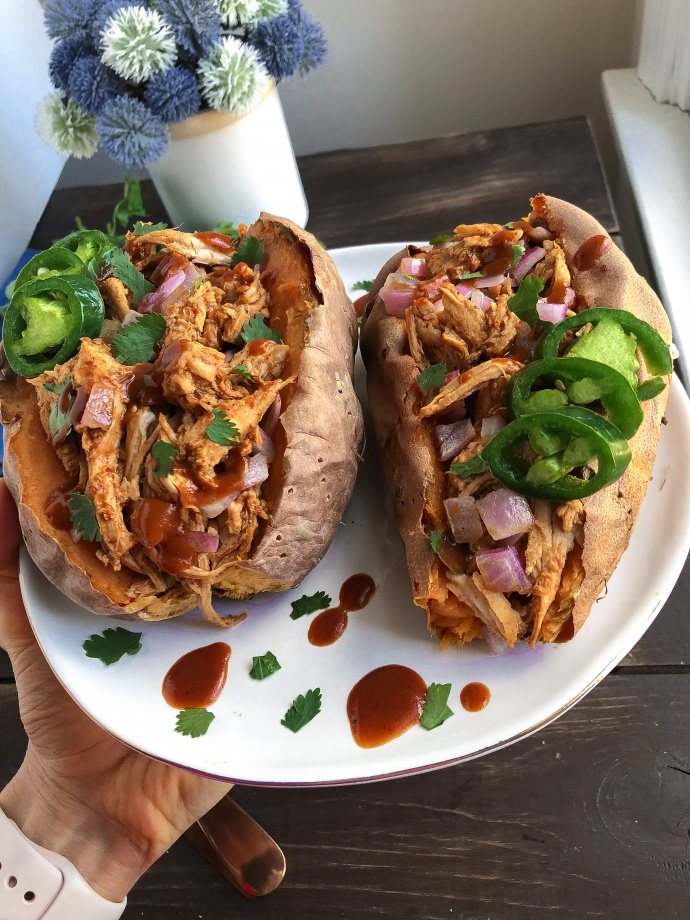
213, 120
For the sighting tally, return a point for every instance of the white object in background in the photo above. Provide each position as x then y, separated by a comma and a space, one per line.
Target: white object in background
654, 144
221, 167
28, 169
664, 64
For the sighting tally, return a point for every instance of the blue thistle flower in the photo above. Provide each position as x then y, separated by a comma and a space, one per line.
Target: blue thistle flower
91, 84
280, 46
103, 13
173, 94
314, 38
69, 18
290, 42
196, 26
131, 133
63, 58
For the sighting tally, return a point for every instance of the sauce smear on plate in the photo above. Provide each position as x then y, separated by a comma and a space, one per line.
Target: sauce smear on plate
384, 704
474, 697
329, 626
197, 679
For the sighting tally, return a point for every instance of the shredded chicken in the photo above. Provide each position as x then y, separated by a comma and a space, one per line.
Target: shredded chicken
187, 244
463, 386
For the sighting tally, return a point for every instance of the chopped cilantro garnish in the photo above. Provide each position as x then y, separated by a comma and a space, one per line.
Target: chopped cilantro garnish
362, 286
435, 538
264, 665
83, 516
468, 467
442, 238
250, 251
436, 709
523, 303
58, 419
194, 722
518, 253
303, 710
197, 284
468, 276
222, 431
509, 225
131, 205
432, 376
309, 604
227, 228
241, 370
136, 342
256, 328
163, 453
112, 644
55, 387
123, 269
142, 229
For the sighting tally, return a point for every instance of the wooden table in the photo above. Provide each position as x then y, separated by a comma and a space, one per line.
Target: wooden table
588, 818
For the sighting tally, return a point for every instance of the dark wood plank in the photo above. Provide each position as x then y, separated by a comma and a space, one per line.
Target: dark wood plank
416, 190
407, 191
587, 819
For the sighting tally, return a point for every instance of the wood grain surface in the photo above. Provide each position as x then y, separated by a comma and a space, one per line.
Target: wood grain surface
590, 818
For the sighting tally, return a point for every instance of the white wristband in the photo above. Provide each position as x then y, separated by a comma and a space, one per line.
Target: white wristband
36, 884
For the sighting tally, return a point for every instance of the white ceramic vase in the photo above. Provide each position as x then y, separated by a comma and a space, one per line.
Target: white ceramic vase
221, 167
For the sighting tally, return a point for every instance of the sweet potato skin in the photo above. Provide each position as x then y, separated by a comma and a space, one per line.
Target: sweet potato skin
407, 451
322, 428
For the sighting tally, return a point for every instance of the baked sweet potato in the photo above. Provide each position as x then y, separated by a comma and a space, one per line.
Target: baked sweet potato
559, 558
249, 391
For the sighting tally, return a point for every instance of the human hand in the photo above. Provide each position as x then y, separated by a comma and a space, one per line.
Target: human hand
79, 792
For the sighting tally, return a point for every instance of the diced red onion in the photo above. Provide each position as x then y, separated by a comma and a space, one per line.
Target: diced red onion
213, 509
551, 312
173, 284
414, 267
203, 542
503, 571
463, 518
230, 353
267, 450
491, 281
464, 289
495, 642
481, 300
431, 287
98, 411
505, 513
527, 262
455, 414
451, 375
60, 435
492, 425
256, 471
397, 302
75, 413
509, 541
270, 420
451, 439
258, 268
131, 316
569, 296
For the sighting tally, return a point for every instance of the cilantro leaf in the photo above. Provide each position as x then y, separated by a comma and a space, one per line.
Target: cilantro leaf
136, 342
468, 467
142, 229
83, 517
242, 371
227, 228
523, 303
194, 722
264, 665
509, 225
448, 552
362, 286
309, 604
432, 376
467, 276
163, 453
321, 243
442, 238
112, 644
303, 710
123, 269
250, 251
436, 709
131, 205
435, 538
57, 418
256, 328
197, 283
222, 431
518, 253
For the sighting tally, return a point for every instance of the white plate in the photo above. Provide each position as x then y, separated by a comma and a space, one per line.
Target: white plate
247, 743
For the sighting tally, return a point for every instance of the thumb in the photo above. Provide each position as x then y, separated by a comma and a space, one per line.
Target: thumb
15, 631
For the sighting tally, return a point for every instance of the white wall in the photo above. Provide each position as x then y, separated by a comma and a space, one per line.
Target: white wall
405, 69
